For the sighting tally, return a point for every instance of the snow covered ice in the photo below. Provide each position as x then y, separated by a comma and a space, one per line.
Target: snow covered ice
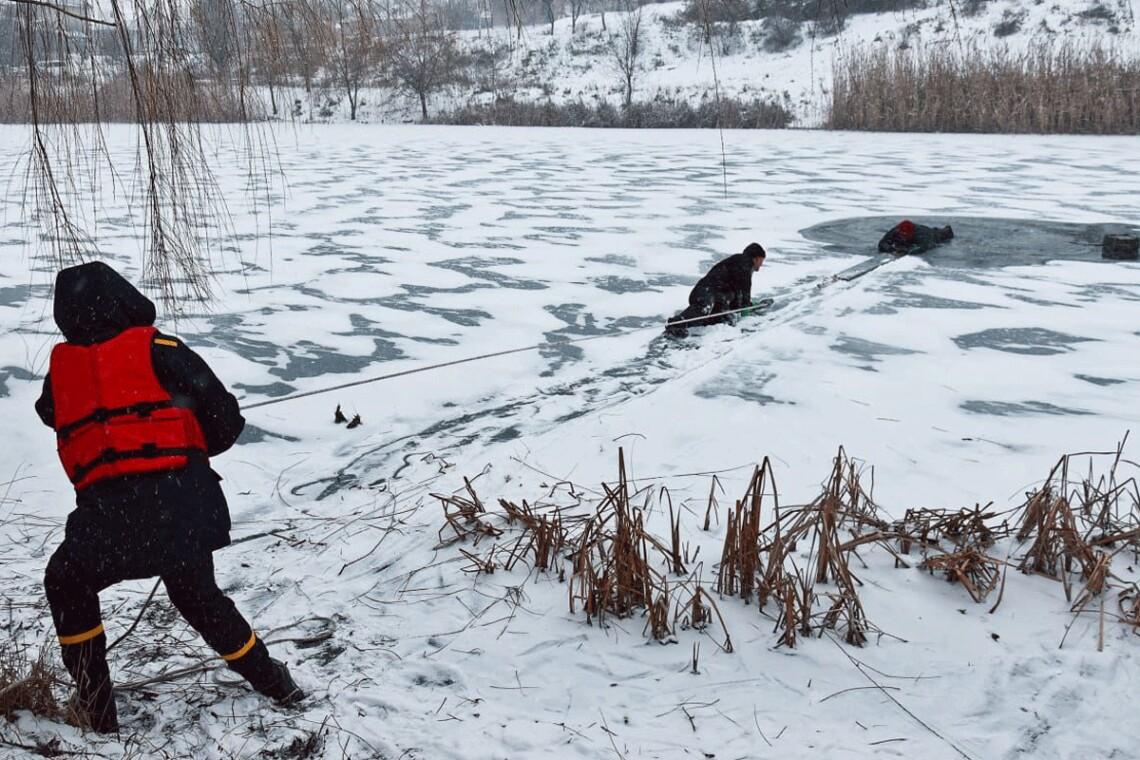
960, 381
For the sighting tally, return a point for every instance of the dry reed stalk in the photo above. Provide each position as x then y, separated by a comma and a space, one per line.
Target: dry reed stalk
26, 683
971, 567
794, 597
485, 565
777, 551
846, 616
713, 507
545, 536
1129, 603
843, 508
658, 619
698, 610
727, 580
740, 558
1096, 583
677, 566
1058, 545
965, 527
612, 573
464, 515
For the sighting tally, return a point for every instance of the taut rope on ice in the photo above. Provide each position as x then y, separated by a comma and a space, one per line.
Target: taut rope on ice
847, 275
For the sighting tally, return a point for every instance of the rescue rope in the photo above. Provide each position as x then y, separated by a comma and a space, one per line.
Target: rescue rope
491, 355
847, 275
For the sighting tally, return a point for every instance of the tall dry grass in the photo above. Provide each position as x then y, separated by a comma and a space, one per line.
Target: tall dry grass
64, 99
1061, 88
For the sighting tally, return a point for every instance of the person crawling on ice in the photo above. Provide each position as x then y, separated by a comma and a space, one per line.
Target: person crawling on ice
727, 287
137, 415
906, 237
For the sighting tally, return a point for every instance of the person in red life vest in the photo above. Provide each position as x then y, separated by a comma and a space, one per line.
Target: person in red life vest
137, 416
906, 237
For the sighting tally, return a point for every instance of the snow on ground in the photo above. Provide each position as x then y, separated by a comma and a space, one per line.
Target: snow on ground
571, 65
960, 377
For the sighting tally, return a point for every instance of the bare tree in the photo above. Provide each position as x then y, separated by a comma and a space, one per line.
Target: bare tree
357, 48
626, 44
423, 55
576, 9
548, 10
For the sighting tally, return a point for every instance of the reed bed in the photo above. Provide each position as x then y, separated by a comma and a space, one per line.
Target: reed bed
1049, 88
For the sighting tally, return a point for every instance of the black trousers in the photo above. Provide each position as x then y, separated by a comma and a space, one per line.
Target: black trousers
74, 579
703, 301
77, 573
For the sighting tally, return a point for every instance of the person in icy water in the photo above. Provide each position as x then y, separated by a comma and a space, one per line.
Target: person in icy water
727, 287
137, 415
906, 237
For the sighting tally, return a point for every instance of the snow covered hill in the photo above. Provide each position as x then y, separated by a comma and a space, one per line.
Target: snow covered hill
790, 62
960, 378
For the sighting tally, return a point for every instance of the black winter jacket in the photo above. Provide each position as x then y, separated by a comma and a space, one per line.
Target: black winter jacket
925, 238
166, 517
730, 281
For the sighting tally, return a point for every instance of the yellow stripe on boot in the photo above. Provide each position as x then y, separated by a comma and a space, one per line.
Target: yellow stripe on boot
243, 651
79, 638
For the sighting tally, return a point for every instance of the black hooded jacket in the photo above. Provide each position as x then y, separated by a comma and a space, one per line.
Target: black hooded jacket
164, 514
730, 281
924, 239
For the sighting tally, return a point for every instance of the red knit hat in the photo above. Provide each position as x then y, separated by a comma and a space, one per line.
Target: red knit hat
906, 230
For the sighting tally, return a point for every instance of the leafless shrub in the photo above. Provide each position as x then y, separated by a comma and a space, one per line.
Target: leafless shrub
660, 113
1010, 23
781, 34
1049, 88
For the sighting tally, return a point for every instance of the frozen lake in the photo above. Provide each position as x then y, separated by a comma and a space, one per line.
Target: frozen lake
961, 376
395, 247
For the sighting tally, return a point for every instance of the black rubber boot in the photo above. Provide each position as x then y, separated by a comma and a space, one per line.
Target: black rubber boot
268, 676
281, 688
94, 701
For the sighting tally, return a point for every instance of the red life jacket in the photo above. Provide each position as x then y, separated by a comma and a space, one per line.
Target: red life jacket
112, 415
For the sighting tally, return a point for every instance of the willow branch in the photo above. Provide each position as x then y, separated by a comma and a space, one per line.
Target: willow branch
65, 12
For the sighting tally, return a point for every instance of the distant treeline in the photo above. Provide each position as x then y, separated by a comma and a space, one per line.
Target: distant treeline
1050, 88
661, 113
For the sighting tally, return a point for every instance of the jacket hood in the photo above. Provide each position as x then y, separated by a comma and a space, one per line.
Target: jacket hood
94, 303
